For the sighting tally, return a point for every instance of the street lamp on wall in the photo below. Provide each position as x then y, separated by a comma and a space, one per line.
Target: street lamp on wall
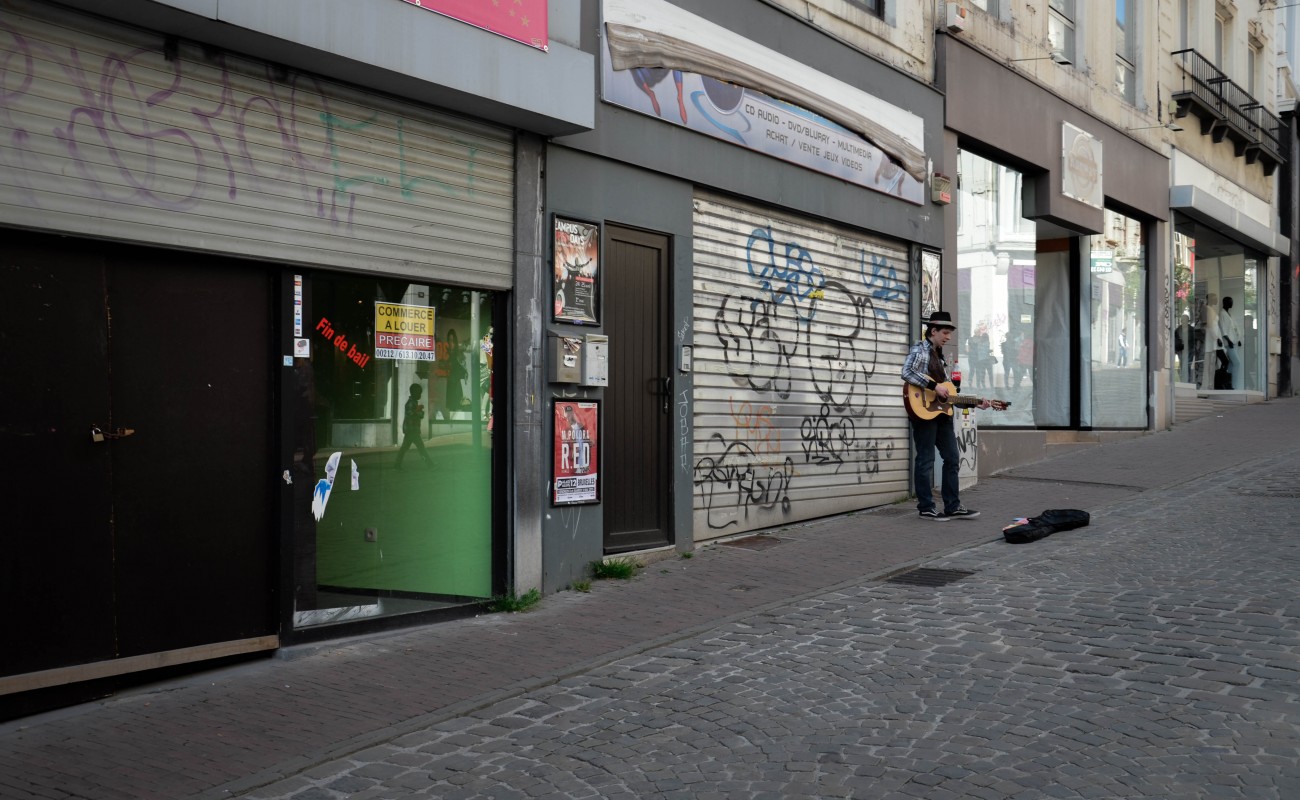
1169, 126
1057, 55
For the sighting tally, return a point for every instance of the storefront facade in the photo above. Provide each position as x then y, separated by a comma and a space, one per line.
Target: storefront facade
1059, 225
286, 403
1226, 303
759, 279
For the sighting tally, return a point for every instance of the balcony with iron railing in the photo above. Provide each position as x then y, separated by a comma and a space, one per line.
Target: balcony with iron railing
1227, 111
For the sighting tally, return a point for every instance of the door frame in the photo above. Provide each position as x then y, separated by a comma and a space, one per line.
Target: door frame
665, 499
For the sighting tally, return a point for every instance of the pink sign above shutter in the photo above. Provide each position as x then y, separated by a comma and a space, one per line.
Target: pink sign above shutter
521, 20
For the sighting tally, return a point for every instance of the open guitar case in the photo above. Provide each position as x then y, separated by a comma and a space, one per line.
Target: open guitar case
1046, 524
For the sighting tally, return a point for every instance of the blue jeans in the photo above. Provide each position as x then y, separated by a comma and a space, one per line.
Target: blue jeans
929, 434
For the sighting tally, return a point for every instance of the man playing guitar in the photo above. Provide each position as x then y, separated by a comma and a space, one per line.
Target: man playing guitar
927, 389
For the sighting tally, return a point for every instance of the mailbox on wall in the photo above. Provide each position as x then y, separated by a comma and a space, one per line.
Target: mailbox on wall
595, 360
583, 360
564, 355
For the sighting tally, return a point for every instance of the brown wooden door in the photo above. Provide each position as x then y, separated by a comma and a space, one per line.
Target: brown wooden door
193, 488
56, 577
157, 540
638, 400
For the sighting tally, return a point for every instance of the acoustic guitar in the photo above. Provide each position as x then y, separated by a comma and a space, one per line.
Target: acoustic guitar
925, 403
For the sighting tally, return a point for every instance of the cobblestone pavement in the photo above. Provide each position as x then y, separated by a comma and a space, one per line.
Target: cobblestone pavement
1154, 654
1155, 646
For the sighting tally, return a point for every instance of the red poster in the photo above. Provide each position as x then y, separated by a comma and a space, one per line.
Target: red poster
521, 20
577, 451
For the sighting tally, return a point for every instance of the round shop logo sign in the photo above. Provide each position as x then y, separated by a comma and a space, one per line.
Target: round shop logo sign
1081, 164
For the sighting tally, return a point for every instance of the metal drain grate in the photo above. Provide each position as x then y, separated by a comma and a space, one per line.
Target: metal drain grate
925, 576
759, 542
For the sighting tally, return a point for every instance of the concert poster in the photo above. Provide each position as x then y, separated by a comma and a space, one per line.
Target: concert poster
576, 279
931, 297
576, 457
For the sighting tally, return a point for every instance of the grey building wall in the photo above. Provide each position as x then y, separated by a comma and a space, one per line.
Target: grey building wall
635, 170
626, 136
587, 187
395, 47
1005, 116
985, 103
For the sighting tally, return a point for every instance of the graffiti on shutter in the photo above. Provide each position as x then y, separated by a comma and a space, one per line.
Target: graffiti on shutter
801, 329
111, 133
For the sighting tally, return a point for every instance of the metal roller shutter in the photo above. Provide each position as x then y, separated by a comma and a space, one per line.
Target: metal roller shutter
108, 135
801, 329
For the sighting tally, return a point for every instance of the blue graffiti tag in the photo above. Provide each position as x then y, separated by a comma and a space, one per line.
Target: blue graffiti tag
882, 280
797, 278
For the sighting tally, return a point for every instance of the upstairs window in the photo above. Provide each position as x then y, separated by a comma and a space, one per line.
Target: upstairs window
1252, 69
1060, 27
875, 8
1126, 46
1222, 44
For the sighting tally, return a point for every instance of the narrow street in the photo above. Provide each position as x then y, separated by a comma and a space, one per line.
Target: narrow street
1153, 654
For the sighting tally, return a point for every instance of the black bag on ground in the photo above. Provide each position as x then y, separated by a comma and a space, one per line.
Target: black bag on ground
1046, 524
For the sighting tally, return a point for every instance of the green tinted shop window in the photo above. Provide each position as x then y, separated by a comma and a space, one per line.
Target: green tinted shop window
398, 388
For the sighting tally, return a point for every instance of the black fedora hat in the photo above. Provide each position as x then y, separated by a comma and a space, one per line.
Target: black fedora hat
941, 319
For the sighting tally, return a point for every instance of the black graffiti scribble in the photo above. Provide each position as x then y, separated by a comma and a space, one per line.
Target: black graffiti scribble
841, 350
826, 440
869, 464
968, 443
750, 333
739, 479
829, 438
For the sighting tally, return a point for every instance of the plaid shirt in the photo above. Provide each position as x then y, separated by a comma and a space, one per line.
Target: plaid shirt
916, 367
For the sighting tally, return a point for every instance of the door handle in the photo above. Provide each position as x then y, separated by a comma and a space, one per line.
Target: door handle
97, 434
661, 387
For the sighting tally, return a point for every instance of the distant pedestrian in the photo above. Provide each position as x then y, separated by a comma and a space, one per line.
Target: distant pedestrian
1008, 346
981, 356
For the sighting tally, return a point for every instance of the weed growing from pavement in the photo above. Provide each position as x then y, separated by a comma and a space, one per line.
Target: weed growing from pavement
688, 555
580, 586
620, 568
512, 603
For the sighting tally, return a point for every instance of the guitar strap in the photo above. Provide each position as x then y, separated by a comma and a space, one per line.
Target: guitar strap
937, 366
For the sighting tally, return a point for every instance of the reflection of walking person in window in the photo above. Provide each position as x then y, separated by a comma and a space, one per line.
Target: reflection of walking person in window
413, 415
981, 357
579, 444
1009, 347
456, 372
1122, 359
1024, 360
1211, 344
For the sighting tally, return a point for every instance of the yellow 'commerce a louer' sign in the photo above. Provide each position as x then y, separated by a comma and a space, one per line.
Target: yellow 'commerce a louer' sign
403, 331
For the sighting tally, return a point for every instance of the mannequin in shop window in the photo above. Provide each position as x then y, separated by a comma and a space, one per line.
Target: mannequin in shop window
1230, 336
